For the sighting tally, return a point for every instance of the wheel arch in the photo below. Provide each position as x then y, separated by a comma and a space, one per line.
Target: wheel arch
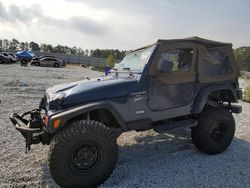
95, 112
222, 93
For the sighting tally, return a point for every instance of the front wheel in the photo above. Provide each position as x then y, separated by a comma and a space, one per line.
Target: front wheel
83, 154
215, 130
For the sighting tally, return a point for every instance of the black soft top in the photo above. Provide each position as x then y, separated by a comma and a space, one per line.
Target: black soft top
197, 40
204, 42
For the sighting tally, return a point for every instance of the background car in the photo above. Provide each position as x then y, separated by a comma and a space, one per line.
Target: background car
35, 60
4, 59
11, 56
48, 62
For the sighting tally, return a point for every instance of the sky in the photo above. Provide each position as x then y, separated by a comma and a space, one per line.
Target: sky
123, 24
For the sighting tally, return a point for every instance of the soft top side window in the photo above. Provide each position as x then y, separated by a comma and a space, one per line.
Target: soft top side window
176, 60
217, 62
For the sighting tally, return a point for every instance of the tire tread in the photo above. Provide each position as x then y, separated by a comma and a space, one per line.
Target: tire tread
69, 132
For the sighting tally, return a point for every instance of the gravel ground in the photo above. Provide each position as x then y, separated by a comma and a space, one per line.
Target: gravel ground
146, 159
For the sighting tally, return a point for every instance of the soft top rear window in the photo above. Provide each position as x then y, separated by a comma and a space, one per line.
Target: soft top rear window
217, 62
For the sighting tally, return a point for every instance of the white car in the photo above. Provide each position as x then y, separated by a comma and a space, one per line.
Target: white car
12, 57
48, 62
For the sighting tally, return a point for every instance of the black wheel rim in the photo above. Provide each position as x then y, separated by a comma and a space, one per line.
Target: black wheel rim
217, 132
86, 158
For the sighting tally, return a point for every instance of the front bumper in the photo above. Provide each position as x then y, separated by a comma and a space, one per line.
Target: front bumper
22, 127
31, 128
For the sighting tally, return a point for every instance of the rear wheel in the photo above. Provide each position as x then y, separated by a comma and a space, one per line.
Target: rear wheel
83, 154
37, 64
215, 130
56, 65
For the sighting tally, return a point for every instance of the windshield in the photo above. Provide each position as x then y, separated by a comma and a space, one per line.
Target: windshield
135, 61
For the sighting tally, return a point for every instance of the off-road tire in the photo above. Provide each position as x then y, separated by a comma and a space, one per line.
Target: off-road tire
215, 130
82, 133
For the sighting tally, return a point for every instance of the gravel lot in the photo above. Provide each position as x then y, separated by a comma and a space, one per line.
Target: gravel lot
146, 159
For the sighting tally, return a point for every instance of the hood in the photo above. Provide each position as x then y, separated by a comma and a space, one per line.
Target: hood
75, 93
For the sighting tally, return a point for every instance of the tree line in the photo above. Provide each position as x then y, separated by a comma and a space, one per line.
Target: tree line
242, 56
15, 45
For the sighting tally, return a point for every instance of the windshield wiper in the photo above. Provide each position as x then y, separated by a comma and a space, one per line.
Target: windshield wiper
132, 72
126, 70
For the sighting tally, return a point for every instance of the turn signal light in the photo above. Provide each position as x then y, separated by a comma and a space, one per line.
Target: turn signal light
56, 123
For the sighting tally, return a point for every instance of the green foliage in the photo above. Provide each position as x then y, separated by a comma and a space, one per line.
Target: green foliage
13, 45
242, 56
105, 53
34, 46
110, 61
247, 94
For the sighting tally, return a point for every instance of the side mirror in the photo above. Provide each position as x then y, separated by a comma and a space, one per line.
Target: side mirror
165, 66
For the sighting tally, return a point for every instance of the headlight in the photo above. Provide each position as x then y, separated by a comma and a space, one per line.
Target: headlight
58, 96
56, 100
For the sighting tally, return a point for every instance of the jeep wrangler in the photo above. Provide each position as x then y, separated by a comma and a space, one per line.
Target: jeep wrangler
166, 86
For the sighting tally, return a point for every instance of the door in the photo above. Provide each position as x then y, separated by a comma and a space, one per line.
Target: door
44, 62
51, 62
48, 62
172, 77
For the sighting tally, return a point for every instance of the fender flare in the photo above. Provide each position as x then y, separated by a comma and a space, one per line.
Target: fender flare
202, 97
65, 116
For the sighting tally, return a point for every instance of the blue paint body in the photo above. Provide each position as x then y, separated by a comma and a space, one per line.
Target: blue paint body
77, 93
